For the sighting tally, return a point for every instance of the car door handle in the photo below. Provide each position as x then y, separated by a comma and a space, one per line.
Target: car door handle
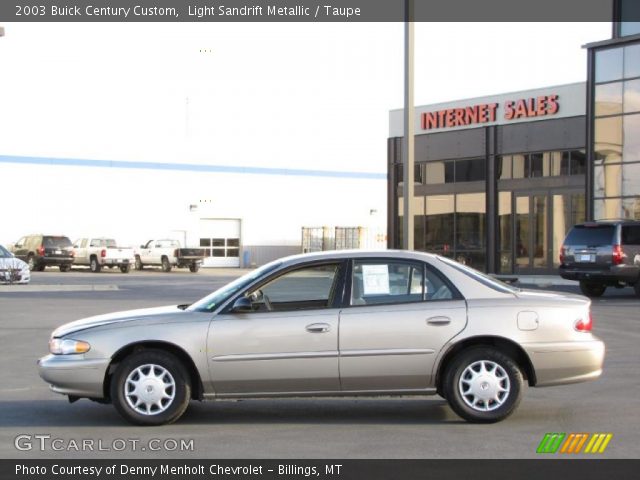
438, 321
318, 327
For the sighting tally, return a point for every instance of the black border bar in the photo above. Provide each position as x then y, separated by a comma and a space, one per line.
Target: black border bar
306, 11
290, 469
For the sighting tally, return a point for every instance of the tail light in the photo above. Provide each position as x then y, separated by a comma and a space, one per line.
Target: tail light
584, 325
72, 253
563, 252
103, 253
40, 250
617, 255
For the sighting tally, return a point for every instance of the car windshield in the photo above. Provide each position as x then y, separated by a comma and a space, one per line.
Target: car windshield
217, 298
590, 235
4, 253
480, 277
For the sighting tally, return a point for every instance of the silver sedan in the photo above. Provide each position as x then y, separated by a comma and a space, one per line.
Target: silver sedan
333, 324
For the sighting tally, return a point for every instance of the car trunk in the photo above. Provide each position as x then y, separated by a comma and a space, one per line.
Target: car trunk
590, 245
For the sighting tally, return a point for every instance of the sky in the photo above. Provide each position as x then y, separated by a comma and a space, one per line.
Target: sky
300, 95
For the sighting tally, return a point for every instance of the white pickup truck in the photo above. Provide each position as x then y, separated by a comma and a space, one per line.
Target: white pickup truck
168, 254
102, 252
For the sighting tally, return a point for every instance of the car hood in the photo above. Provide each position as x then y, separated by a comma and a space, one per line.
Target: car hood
12, 262
117, 317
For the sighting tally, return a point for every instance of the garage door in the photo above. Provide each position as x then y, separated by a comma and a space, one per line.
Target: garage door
220, 237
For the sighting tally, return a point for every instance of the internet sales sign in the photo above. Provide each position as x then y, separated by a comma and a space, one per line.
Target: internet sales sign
540, 106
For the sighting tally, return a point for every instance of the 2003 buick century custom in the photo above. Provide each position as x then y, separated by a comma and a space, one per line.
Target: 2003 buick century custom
333, 323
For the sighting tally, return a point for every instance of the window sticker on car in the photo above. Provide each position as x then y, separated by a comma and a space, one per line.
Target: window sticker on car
375, 279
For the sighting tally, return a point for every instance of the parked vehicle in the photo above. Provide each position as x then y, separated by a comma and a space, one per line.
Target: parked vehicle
102, 252
12, 269
602, 254
333, 323
168, 253
40, 251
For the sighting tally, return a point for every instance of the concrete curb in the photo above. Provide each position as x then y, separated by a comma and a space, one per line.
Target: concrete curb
56, 288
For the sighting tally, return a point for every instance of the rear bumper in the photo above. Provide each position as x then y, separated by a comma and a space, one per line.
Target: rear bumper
116, 261
608, 275
55, 261
74, 375
566, 362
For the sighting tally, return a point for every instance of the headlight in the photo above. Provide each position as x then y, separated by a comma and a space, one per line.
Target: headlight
67, 346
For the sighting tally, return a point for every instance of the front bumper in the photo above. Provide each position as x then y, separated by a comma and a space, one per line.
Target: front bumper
561, 363
74, 375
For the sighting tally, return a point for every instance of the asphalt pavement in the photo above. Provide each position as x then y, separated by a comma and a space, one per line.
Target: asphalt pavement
425, 427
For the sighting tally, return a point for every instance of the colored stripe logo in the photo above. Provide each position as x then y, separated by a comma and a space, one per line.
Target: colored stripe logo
574, 443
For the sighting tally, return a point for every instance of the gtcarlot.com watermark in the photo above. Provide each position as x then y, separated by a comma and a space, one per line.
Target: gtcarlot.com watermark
48, 443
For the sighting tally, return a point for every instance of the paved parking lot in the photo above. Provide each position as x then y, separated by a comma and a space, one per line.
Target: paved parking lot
318, 428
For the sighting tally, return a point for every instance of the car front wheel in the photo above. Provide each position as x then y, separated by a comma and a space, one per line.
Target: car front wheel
483, 385
151, 387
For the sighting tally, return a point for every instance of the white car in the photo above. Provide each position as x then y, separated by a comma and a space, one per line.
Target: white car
12, 269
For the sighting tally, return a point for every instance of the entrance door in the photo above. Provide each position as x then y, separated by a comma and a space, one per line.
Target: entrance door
532, 245
220, 237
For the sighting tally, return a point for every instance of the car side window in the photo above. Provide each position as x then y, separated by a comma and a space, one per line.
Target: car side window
306, 288
630, 235
388, 282
96, 242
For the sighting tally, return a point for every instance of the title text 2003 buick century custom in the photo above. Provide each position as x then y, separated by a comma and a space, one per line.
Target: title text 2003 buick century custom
333, 323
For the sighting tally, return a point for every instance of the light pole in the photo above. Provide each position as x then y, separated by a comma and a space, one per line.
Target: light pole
408, 160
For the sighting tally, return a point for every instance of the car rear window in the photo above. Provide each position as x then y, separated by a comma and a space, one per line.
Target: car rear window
57, 242
591, 235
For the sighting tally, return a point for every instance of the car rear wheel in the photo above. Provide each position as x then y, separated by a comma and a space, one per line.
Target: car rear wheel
151, 387
138, 263
591, 289
65, 268
94, 265
166, 266
483, 385
636, 288
194, 267
125, 268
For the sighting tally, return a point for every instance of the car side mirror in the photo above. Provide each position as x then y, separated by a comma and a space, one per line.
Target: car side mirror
242, 305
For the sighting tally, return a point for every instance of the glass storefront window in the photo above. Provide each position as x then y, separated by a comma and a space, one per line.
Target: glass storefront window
608, 99
556, 163
631, 208
504, 232
607, 208
631, 179
631, 96
631, 147
520, 166
608, 139
470, 221
632, 61
608, 65
629, 28
607, 179
539, 165
439, 224
504, 167
471, 170
578, 162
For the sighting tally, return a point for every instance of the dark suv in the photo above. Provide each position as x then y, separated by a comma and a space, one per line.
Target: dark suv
40, 251
602, 254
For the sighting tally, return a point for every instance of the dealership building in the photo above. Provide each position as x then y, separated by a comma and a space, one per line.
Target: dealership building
499, 180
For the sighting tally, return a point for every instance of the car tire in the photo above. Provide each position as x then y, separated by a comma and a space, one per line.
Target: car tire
636, 288
138, 263
65, 268
40, 267
194, 267
483, 385
125, 268
166, 266
94, 265
166, 386
591, 289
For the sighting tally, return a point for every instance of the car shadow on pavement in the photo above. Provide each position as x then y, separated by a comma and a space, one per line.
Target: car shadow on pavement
422, 411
